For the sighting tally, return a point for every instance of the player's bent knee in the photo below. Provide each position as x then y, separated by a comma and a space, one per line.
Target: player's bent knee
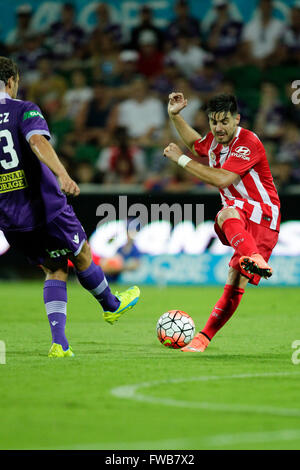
228, 213
83, 260
56, 273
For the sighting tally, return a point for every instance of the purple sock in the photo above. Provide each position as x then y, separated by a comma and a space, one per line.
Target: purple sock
55, 299
94, 281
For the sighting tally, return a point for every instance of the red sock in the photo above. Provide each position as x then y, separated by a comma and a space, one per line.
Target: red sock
241, 240
223, 310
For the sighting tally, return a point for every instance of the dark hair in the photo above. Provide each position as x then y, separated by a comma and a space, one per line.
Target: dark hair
8, 68
222, 103
68, 6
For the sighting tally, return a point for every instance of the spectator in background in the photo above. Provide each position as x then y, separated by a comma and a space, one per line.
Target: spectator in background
105, 25
127, 257
65, 39
163, 176
206, 80
121, 163
130, 252
49, 88
261, 36
164, 83
224, 36
15, 39
281, 171
142, 114
145, 24
180, 181
194, 103
77, 95
201, 122
126, 73
187, 56
150, 61
157, 163
268, 124
271, 151
289, 50
85, 173
28, 56
104, 57
160, 169
289, 146
93, 124
183, 24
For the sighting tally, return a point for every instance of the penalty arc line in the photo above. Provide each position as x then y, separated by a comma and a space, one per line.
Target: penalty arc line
217, 440
132, 392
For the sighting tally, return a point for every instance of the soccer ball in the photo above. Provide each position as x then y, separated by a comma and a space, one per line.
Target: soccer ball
175, 329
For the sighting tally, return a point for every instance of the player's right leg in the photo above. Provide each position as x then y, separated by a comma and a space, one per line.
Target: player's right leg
222, 311
68, 231
92, 278
55, 299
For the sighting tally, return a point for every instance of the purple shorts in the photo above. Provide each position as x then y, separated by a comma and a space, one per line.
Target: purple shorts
62, 236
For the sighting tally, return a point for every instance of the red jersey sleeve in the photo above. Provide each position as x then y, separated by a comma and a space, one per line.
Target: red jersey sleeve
244, 155
202, 146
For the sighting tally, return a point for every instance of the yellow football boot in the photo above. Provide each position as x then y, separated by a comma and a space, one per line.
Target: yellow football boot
56, 350
128, 299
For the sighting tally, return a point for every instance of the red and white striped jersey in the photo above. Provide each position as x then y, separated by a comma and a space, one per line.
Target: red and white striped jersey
254, 191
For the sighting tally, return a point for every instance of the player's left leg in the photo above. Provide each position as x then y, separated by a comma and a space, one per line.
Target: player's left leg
92, 278
55, 299
232, 225
222, 311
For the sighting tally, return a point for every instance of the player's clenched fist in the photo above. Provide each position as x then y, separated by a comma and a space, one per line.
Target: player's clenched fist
68, 186
176, 103
173, 152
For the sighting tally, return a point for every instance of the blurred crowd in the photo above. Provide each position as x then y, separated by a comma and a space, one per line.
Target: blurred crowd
105, 94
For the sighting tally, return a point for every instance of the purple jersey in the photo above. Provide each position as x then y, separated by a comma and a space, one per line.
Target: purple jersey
30, 195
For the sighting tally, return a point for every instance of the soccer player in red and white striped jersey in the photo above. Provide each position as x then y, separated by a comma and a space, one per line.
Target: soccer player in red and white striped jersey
250, 218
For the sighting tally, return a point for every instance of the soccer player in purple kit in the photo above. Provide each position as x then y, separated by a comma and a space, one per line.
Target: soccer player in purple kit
35, 216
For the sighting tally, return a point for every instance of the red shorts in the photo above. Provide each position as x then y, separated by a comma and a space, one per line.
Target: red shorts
264, 237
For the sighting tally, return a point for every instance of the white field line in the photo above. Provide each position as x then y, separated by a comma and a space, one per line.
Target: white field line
217, 440
246, 437
132, 392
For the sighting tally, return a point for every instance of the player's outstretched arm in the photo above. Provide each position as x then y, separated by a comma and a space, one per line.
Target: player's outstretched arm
215, 176
46, 154
188, 135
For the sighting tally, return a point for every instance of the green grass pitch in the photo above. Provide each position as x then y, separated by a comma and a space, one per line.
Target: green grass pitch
124, 390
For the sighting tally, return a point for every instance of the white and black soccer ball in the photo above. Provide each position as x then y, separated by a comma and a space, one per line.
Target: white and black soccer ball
175, 329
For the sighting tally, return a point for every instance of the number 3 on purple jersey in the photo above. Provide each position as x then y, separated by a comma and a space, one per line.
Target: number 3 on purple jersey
9, 149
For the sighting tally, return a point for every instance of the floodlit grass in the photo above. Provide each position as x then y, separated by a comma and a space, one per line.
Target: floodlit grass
242, 393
